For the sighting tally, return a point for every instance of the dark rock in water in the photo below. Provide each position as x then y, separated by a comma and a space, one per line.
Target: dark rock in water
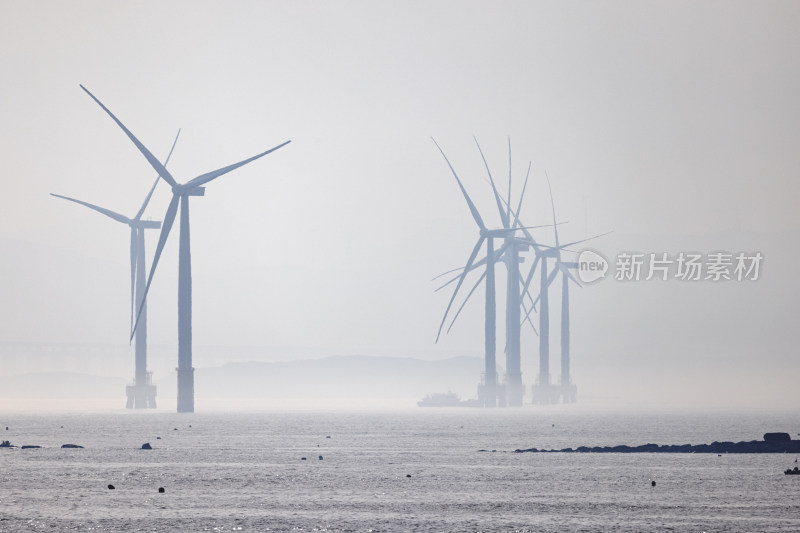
302, 458
146, 446
111, 487
6, 444
71, 446
158, 438
777, 437
28, 447
408, 475
161, 490
320, 458
326, 436
652, 483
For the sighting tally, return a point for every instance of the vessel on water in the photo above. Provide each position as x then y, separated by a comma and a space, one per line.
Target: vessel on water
447, 399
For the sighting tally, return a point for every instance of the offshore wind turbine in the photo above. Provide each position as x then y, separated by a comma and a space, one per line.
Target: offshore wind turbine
544, 392
515, 390
180, 195
491, 389
569, 390
143, 393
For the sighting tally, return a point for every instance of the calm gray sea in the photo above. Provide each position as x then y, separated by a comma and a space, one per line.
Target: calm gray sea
244, 472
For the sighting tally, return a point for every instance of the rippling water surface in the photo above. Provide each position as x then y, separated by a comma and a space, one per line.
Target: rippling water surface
389, 471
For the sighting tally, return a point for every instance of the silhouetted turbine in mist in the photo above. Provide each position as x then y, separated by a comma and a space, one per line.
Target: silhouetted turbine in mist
142, 394
180, 194
542, 390
491, 389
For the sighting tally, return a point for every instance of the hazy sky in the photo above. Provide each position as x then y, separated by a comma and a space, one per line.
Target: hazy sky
673, 124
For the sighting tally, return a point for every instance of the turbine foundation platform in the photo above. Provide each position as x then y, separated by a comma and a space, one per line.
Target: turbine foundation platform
545, 394
141, 396
569, 393
515, 393
491, 396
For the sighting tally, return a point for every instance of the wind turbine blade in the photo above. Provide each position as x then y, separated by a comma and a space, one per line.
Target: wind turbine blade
472, 208
153, 188
521, 196
155, 163
528, 319
477, 284
106, 212
564, 246
147, 199
460, 282
528, 235
503, 215
446, 273
508, 203
169, 218
498, 253
528, 279
553, 205
208, 176
133, 272
455, 278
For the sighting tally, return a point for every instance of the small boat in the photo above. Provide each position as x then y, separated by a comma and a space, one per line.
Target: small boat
792, 471
448, 399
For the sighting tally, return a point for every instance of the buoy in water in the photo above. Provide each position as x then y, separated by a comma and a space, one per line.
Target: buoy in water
652, 483
302, 458
161, 490
320, 458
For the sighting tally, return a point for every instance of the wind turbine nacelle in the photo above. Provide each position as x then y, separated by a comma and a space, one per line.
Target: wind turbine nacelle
149, 224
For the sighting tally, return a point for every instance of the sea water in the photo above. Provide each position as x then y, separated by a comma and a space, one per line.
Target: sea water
419, 470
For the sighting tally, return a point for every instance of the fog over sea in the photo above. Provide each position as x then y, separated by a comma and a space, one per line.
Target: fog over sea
390, 470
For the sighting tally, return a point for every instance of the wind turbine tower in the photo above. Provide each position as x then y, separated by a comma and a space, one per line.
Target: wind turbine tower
180, 196
142, 394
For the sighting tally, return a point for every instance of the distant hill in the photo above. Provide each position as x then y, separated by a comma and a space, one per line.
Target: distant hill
62, 385
336, 377
329, 377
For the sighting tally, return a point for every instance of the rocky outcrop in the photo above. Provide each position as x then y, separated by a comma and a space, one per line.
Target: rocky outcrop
71, 446
754, 446
777, 437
